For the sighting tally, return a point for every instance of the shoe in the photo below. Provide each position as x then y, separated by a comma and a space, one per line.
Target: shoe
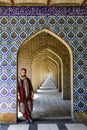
27, 121
30, 120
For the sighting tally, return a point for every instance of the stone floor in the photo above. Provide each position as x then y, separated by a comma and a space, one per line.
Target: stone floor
48, 103
66, 124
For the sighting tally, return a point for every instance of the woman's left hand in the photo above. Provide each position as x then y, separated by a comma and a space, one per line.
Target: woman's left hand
32, 95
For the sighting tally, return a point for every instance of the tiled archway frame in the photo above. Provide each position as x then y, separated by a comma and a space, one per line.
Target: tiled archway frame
19, 23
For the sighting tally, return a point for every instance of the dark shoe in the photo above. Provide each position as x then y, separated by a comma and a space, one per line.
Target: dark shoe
30, 120
27, 121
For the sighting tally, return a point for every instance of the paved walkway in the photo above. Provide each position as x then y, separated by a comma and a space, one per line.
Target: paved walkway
46, 125
48, 103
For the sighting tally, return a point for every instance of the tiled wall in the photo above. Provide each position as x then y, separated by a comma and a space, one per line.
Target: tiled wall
16, 26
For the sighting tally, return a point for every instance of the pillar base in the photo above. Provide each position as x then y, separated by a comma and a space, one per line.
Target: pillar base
7, 118
81, 116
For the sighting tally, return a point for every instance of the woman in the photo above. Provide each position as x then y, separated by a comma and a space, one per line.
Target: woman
25, 96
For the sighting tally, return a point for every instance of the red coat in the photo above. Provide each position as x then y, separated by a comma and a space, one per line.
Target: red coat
21, 90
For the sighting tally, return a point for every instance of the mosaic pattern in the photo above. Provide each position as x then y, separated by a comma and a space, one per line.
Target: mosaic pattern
41, 11
15, 29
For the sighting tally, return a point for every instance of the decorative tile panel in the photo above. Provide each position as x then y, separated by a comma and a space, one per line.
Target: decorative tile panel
19, 23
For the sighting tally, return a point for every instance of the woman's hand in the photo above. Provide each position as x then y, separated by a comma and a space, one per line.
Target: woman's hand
32, 95
18, 96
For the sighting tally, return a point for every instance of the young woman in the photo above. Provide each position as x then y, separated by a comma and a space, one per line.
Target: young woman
25, 96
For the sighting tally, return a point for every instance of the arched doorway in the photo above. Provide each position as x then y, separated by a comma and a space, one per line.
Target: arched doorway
45, 54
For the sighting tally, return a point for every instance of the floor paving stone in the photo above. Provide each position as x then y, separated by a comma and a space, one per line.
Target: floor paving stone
47, 127
76, 127
19, 127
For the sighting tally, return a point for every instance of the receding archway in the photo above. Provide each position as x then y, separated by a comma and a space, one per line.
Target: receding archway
47, 40
55, 59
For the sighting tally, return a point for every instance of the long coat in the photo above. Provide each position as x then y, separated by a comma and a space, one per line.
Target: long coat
25, 103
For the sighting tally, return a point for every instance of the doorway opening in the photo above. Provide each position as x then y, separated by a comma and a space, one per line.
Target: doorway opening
49, 63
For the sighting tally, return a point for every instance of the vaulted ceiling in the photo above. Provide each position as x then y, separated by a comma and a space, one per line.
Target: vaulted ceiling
42, 2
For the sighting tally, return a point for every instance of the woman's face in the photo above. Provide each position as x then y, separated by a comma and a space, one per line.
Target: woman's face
23, 73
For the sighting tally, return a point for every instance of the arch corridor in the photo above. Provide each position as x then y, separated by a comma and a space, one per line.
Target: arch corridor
47, 55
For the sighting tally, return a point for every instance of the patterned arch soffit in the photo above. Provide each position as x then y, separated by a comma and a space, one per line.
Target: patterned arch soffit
70, 53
